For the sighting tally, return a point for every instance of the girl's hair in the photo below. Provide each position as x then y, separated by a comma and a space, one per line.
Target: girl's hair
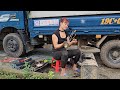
64, 20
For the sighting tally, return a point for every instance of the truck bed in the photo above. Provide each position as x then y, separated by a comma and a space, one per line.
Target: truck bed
105, 24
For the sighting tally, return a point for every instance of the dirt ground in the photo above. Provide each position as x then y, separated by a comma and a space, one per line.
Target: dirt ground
104, 72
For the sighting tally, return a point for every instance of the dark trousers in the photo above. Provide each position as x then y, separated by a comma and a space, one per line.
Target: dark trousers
65, 54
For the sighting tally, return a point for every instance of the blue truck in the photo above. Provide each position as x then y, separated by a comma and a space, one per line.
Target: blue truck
21, 31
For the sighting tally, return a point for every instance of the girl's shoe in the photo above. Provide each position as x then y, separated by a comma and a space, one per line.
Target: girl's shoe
65, 74
78, 70
76, 73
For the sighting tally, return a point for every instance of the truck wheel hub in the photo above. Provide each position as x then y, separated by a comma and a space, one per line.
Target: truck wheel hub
12, 45
115, 54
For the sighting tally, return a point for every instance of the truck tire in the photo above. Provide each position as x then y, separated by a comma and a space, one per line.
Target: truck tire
110, 54
13, 45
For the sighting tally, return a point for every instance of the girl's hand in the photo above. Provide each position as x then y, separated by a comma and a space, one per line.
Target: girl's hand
74, 41
66, 45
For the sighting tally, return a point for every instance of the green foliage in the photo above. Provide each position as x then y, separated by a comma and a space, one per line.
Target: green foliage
48, 60
26, 73
9, 75
37, 77
26, 70
50, 74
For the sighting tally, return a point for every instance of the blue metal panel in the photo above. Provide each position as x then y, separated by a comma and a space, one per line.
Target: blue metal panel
99, 24
42, 30
12, 19
85, 25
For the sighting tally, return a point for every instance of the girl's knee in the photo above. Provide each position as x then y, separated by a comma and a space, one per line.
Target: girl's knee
78, 51
65, 53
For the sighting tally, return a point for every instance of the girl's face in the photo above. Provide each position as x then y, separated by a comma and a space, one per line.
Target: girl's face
64, 25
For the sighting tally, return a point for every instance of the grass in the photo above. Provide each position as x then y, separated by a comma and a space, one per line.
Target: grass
26, 73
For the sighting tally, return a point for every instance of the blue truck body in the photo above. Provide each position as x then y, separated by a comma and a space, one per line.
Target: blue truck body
83, 24
18, 24
14, 19
91, 25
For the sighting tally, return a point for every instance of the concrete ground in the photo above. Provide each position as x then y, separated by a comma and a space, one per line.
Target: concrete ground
104, 72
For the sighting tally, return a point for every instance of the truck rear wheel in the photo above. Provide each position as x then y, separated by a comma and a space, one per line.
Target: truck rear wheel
13, 45
110, 53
